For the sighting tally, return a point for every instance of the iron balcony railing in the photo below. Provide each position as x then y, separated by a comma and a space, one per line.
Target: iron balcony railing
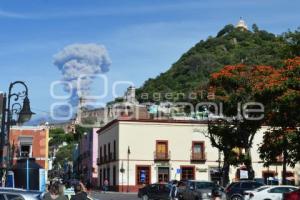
162, 156
198, 157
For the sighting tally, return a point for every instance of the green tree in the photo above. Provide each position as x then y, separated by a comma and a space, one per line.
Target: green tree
57, 137
293, 39
221, 134
255, 28
80, 131
63, 155
230, 47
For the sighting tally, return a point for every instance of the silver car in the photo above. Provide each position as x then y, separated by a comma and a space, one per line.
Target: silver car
19, 194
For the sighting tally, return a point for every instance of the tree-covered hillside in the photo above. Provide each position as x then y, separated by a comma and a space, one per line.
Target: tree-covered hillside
231, 46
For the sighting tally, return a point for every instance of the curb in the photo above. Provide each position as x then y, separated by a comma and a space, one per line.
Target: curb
111, 192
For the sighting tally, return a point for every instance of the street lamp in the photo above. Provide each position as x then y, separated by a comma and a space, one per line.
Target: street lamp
122, 170
11, 105
128, 153
25, 114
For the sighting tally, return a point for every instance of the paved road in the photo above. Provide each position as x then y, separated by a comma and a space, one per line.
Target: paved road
114, 196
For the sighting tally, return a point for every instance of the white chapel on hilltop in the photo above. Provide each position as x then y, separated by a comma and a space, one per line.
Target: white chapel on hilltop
242, 24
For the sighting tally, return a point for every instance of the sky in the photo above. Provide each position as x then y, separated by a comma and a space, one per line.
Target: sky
142, 37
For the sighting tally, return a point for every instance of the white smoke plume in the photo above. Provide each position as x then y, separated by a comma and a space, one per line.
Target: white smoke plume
78, 60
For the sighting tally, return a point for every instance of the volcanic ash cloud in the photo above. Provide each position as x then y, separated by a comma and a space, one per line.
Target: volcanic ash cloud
81, 61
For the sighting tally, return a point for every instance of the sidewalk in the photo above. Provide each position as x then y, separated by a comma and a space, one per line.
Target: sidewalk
98, 195
111, 192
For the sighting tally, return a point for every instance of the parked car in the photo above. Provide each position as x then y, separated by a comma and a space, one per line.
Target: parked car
235, 190
196, 190
295, 195
19, 194
268, 192
155, 191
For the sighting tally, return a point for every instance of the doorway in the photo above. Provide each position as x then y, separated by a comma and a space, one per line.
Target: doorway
163, 174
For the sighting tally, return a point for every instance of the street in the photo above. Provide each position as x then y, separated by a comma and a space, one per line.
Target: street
114, 196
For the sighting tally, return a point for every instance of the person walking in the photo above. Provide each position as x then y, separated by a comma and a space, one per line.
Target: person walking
80, 192
217, 193
105, 185
174, 191
55, 192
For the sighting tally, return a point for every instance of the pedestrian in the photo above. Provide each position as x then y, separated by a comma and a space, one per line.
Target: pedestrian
174, 190
216, 192
80, 192
105, 185
55, 192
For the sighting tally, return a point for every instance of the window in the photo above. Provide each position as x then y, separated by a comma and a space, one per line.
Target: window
115, 150
161, 150
100, 179
104, 175
114, 176
13, 197
25, 151
187, 173
280, 190
105, 153
108, 175
163, 174
162, 147
101, 155
2, 197
198, 147
198, 151
204, 185
250, 185
262, 188
143, 175
109, 155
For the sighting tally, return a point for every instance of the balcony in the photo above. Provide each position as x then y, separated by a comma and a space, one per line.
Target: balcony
105, 159
198, 157
110, 157
162, 156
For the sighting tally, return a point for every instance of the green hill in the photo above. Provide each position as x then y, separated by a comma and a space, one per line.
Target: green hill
231, 46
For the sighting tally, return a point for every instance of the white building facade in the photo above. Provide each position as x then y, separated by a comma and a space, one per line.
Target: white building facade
136, 152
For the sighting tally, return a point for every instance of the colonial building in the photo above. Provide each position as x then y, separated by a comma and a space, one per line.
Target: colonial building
126, 106
85, 158
30, 142
136, 152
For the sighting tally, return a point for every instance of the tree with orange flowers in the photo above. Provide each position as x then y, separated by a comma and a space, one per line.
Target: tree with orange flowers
236, 89
278, 89
281, 92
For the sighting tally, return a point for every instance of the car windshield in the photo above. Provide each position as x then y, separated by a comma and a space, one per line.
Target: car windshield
204, 185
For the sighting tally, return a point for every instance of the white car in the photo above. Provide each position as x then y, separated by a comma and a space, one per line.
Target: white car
269, 192
17, 194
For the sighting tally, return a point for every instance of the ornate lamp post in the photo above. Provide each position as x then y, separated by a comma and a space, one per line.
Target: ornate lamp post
12, 106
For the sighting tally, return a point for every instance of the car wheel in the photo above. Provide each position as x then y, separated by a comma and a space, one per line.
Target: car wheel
236, 198
145, 197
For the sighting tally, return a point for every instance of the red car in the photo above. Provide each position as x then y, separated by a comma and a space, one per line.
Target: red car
295, 195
